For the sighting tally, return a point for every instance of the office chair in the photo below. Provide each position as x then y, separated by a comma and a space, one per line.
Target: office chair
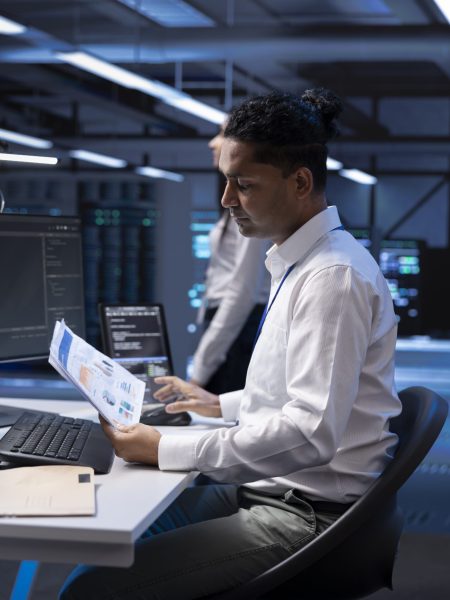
355, 556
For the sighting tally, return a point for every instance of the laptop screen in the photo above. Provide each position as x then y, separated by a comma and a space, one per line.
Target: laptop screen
136, 337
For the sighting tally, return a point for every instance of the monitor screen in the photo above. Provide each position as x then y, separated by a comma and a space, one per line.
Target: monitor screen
42, 282
136, 336
401, 263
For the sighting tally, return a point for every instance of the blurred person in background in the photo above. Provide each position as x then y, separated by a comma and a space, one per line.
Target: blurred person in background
236, 291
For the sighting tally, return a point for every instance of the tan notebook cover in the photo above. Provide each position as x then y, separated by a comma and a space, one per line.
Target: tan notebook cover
47, 490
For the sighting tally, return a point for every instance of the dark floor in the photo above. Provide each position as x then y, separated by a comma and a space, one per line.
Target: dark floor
422, 571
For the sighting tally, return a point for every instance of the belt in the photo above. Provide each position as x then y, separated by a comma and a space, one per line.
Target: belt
290, 499
332, 507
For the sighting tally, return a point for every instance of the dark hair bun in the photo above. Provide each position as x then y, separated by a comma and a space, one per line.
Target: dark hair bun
328, 104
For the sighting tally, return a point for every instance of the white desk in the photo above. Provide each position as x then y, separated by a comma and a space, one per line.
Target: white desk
129, 499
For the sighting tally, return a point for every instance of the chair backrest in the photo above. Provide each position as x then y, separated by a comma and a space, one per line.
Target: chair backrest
374, 514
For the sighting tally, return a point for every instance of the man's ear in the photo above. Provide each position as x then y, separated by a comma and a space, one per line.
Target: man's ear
304, 181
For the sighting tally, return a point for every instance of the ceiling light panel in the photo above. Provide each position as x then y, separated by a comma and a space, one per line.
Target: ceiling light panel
333, 164
358, 176
444, 7
28, 158
199, 109
151, 87
24, 140
159, 174
8, 27
100, 159
170, 13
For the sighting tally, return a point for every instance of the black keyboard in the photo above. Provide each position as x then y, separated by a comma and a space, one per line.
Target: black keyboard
47, 439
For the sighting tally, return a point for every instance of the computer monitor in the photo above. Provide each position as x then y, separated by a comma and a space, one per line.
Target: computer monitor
136, 337
401, 264
42, 282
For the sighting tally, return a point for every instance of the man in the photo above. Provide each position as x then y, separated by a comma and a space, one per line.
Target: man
311, 426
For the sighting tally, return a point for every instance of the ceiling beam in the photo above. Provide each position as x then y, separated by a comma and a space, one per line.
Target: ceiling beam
306, 43
116, 100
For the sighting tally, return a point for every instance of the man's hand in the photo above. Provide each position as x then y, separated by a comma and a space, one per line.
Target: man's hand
134, 443
189, 397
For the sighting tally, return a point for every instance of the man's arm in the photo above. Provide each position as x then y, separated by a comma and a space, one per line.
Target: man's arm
140, 443
234, 309
326, 347
136, 443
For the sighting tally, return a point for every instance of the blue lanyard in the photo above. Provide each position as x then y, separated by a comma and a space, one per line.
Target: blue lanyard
269, 306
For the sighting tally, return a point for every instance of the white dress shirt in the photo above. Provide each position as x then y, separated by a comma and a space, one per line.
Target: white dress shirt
236, 280
314, 414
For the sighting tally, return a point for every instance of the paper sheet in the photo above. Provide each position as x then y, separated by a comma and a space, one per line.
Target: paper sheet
115, 392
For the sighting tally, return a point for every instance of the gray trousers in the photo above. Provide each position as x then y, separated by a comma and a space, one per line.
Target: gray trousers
212, 538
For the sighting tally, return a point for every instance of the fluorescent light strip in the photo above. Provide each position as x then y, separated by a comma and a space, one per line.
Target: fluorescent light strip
199, 109
358, 176
116, 74
9, 27
151, 87
24, 140
444, 7
159, 174
100, 159
333, 164
28, 158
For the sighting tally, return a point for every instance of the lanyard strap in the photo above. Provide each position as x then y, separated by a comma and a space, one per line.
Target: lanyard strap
269, 306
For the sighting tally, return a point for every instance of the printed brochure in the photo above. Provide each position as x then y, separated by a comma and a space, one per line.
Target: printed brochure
115, 392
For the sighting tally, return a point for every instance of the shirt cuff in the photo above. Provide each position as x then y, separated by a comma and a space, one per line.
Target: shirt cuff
230, 404
177, 453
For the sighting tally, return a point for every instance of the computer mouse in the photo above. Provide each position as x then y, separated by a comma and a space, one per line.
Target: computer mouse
159, 416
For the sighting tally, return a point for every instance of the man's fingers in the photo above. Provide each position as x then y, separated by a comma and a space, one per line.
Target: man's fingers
172, 388
114, 433
165, 393
168, 379
180, 406
108, 429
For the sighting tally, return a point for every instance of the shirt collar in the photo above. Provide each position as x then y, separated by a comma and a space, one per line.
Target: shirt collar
280, 258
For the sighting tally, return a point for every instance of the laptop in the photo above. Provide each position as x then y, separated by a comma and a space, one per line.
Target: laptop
135, 335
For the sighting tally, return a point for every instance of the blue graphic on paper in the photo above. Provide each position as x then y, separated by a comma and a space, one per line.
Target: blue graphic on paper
64, 348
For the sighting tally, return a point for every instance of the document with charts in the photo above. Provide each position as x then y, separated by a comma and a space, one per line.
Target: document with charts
114, 391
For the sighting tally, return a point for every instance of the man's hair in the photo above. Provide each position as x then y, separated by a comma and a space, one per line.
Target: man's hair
288, 131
